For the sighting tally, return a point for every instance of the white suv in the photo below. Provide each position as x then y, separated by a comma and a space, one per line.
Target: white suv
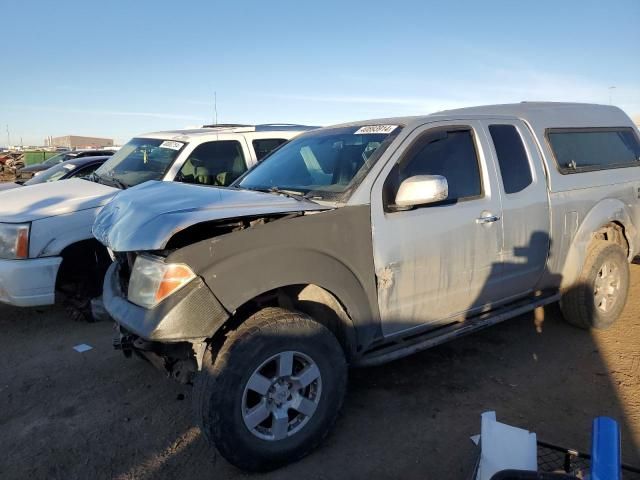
46, 247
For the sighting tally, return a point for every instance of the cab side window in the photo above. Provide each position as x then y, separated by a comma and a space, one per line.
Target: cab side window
264, 146
216, 163
512, 158
579, 150
449, 152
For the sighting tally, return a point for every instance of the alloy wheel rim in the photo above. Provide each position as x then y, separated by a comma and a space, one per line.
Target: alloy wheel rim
606, 287
281, 396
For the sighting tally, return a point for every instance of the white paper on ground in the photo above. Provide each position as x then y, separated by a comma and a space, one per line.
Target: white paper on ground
83, 347
505, 447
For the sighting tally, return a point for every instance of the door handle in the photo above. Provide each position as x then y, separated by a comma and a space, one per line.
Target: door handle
487, 219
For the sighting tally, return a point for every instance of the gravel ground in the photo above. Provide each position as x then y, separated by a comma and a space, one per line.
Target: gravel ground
69, 415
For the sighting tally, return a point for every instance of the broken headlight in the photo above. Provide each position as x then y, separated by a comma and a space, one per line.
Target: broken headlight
152, 280
14, 240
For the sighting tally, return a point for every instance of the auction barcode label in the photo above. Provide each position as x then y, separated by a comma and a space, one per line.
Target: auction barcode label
375, 129
172, 145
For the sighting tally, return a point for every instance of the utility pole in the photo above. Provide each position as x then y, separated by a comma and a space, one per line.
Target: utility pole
8, 137
611, 89
215, 108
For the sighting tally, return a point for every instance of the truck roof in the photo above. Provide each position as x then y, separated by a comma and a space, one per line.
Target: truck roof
539, 115
227, 129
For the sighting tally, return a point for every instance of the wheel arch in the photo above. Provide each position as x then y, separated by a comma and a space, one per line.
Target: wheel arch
315, 283
299, 279
83, 259
608, 220
331, 250
317, 302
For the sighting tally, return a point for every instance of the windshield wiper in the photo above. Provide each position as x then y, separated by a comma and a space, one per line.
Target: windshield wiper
310, 196
108, 181
288, 193
118, 183
94, 177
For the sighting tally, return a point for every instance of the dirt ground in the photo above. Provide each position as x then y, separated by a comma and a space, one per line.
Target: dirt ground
69, 415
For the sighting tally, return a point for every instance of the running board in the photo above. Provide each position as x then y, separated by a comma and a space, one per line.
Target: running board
405, 346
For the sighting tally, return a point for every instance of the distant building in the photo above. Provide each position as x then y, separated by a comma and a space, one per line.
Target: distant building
74, 141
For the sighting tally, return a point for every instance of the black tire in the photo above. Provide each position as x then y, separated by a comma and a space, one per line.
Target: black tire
82, 309
219, 389
78, 304
80, 279
578, 304
80, 312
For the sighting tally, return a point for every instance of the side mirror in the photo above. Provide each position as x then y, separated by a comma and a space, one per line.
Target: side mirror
421, 190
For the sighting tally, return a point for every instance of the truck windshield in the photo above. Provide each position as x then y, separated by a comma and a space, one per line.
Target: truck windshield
140, 160
322, 164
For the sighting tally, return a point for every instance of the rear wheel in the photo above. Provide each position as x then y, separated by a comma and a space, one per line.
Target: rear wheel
274, 390
599, 296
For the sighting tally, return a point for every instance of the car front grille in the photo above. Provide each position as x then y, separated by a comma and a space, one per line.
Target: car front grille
125, 263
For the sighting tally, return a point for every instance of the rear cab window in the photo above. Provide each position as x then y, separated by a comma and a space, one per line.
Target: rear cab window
513, 162
577, 150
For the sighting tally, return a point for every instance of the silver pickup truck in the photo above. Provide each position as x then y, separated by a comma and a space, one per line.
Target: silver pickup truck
361, 243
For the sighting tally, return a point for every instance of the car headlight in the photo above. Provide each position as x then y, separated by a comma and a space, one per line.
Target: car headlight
152, 280
14, 240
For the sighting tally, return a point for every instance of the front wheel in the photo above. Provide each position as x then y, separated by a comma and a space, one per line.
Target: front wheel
599, 296
274, 390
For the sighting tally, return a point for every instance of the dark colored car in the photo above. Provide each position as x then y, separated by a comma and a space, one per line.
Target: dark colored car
31, 170
74, 168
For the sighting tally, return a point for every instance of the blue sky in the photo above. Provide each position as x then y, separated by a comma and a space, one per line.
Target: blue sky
119, 68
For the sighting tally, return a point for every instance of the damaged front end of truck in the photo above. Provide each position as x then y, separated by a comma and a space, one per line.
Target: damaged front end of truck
165, 311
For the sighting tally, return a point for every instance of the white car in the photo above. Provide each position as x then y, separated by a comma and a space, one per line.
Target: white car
47, 251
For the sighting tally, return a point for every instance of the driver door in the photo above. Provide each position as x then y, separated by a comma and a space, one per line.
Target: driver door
438, 262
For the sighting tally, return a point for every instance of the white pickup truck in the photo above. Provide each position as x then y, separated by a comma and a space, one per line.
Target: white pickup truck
47, 251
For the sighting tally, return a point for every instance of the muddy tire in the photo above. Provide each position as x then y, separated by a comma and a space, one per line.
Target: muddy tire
600, 294
273, 392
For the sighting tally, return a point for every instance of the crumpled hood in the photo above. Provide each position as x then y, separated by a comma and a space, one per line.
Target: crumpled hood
147, 216
35, 202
